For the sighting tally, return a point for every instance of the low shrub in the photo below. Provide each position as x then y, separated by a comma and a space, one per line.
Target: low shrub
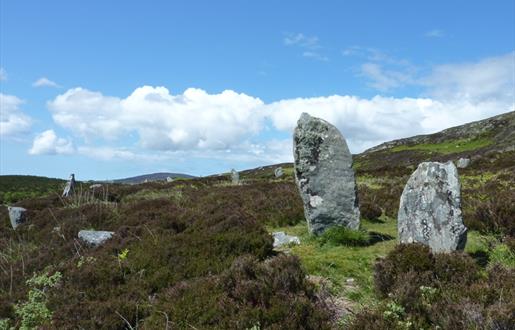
340, 235
370, 211
442, 290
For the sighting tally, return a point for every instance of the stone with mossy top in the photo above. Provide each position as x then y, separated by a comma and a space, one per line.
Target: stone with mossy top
324, 175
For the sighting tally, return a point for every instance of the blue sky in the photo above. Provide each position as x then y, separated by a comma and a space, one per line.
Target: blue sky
109, 89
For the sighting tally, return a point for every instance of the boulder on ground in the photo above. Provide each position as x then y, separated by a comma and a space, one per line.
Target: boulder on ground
324, 175
278, 172
281, 238
95, 237
430, 208
463, 162
17, 215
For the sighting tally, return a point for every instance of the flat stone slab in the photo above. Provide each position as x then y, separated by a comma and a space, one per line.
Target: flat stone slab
324, 175
430, 208
95, 237
281, 238
17, 215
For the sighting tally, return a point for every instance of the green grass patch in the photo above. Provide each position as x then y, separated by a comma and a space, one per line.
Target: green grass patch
344, 236
448, 147
338, 263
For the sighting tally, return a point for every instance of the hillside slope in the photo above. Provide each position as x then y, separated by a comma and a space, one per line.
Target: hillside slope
490, 140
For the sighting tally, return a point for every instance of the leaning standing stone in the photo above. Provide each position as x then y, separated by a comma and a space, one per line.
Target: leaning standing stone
324, 175
430, 208
70, 186
17, 215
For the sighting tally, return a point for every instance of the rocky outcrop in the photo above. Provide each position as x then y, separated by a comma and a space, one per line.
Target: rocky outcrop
17, 215
324, 175
430, 208
95, 237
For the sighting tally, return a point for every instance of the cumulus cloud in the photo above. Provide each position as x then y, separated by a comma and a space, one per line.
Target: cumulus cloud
13, 122
154, 124
44, 82
47, 143
192, 120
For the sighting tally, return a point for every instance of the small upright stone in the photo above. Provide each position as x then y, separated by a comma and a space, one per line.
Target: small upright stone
278, 172
70, 186
430, 208
235, 177
169, 179
17, 215
324, 175
463, 162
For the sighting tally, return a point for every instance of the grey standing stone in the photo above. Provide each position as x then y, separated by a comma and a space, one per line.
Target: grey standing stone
70, 186
463, 162
95, 237
169, 179
324, 175
430, 208
235, 177
281, 238
278, 172
17, 215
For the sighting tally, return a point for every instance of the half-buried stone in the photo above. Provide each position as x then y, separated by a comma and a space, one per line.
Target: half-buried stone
95, 237
430, 208
324, 175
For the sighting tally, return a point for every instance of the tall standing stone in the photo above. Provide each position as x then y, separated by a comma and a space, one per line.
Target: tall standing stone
324, 175
235, 177
430, 208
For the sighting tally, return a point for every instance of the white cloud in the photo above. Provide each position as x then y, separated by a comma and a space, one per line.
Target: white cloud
435, 33
309, 44
489, 79
3, 74
192, 120
45, 82
384, 80
47, 143
13, 122
153, 124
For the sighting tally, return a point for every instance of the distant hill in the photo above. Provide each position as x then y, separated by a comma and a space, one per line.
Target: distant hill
18, 187
491, 141
153, 177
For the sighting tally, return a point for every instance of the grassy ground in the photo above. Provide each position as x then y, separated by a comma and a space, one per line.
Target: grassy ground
449, 146
338, 264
